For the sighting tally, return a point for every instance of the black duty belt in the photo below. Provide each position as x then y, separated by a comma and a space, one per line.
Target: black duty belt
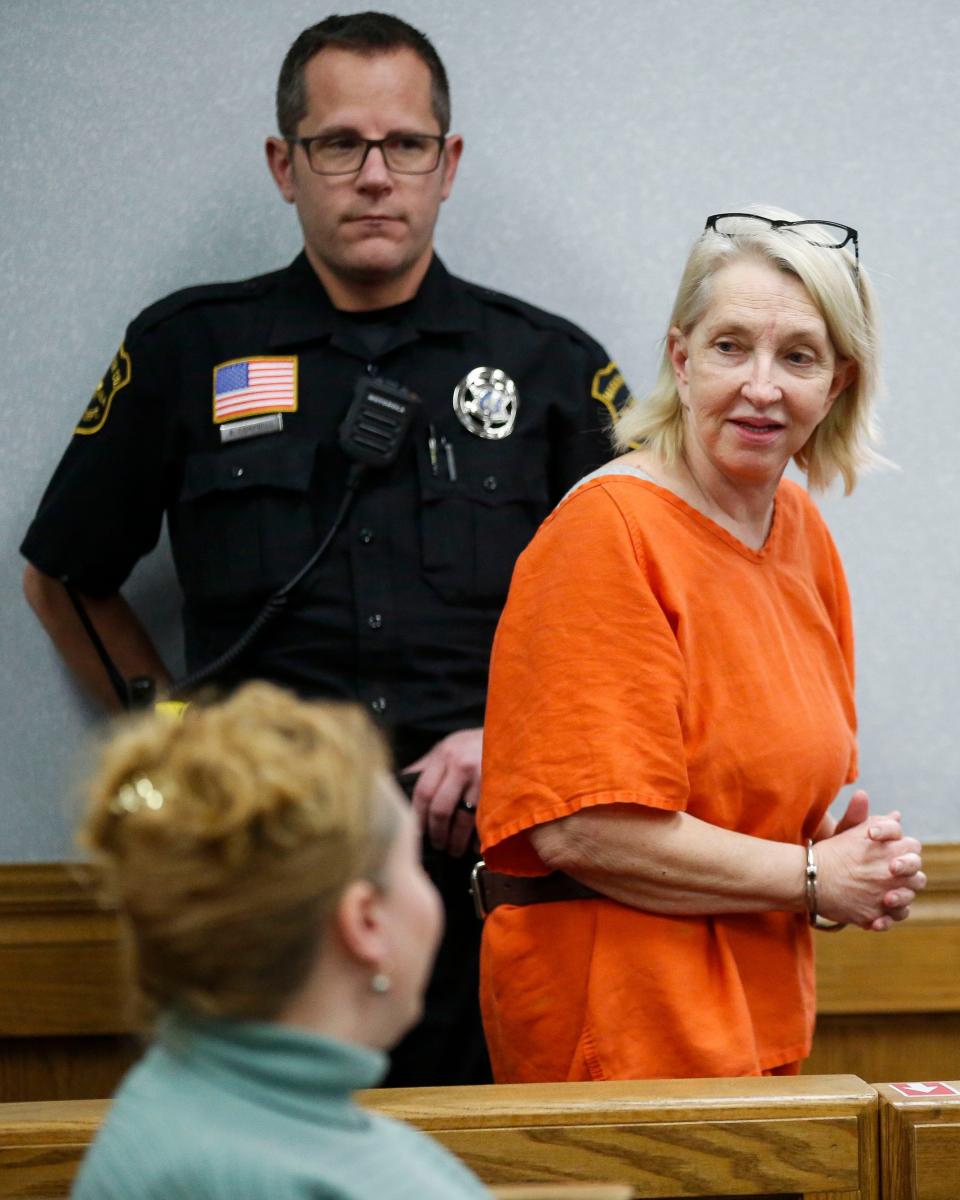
491, 888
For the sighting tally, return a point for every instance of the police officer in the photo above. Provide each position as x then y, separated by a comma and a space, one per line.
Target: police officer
222, 407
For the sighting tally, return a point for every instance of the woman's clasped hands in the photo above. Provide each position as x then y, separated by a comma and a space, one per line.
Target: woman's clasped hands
868, 871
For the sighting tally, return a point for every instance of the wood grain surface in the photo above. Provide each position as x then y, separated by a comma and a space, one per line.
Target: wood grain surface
565, 1191
64, 964
41, 1146
806, 1137
886, 1046
690, 1158
64, 1068
612, 1102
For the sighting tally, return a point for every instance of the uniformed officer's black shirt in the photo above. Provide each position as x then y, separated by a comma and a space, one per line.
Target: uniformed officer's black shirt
401, 611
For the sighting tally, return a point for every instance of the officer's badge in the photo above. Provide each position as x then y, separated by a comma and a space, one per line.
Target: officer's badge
118, 376
485, 402
610, 389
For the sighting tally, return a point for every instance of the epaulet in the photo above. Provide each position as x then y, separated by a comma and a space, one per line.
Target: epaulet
538, 318
205, 293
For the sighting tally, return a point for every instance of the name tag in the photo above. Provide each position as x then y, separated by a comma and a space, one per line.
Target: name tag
253, 427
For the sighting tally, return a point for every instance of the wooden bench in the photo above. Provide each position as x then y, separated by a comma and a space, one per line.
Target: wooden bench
811, 1137
920, 1143
42, 1143
564, 1191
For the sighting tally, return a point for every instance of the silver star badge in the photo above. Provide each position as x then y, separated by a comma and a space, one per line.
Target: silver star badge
485, 402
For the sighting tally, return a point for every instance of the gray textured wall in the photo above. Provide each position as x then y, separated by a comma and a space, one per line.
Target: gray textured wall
597, 140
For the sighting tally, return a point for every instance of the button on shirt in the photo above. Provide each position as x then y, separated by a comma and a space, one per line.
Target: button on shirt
400, 613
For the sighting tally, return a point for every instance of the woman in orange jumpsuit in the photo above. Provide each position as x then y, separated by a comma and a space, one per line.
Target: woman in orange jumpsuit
671, 706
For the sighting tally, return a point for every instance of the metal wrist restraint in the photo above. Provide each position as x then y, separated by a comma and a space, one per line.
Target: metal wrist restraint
810, 891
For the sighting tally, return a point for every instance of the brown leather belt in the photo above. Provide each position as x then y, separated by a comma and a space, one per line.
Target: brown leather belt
491, 888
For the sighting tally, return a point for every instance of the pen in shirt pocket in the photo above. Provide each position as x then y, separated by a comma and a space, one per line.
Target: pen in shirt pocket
432, 449
451, 459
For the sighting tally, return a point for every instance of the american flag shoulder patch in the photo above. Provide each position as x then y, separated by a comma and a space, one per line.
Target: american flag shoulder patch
246, 387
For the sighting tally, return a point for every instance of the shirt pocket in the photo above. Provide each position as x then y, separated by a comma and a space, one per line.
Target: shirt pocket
243, 524
473, 527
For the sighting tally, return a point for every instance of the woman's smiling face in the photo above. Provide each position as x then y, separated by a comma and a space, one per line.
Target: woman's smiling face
756, 375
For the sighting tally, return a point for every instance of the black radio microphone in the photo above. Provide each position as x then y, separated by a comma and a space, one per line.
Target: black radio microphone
378, 421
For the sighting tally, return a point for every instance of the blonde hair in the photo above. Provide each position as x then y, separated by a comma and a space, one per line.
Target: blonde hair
227, 838
842, 444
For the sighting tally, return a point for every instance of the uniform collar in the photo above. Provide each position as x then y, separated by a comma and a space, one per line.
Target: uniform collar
303, 312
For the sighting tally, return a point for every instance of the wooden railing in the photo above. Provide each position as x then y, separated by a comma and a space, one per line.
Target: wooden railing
42, 1143
811, 1138
829, 1138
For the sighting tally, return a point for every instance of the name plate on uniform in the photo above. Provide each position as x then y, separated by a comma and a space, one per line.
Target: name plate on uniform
252, 427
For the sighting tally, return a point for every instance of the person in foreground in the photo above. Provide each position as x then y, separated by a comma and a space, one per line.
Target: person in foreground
268, 871
671, 706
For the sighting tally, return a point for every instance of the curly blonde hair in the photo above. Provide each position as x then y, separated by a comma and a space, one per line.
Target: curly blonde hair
843, 442
227, 837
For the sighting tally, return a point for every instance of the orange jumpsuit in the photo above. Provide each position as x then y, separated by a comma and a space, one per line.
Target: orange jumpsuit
646, 656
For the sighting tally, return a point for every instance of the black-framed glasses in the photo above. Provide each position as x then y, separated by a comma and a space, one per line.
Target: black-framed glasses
345, 153
830, 234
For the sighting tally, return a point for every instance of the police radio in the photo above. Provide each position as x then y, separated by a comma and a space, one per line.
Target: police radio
379, 419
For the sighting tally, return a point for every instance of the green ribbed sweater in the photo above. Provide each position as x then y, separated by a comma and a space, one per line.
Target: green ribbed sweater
228, 1110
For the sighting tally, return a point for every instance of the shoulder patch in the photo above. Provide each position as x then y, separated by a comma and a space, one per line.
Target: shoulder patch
117, 376
610, 389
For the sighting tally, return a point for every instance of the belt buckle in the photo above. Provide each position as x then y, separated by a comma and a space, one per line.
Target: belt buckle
476, 889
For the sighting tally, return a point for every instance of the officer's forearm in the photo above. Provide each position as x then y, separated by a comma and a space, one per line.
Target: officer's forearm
127, 642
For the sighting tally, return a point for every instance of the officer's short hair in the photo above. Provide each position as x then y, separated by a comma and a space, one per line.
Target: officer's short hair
361, 33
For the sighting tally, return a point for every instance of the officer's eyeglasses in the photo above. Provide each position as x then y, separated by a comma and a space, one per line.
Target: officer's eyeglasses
345, 153
818, 233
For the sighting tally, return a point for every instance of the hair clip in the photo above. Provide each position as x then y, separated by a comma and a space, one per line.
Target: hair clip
134, 796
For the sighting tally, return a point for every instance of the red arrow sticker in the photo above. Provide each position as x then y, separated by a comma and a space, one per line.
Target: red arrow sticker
925, 1091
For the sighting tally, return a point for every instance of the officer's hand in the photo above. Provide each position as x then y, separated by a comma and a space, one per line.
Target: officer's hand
445, 796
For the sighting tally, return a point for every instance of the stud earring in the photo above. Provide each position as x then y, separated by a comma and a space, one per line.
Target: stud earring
381, 983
